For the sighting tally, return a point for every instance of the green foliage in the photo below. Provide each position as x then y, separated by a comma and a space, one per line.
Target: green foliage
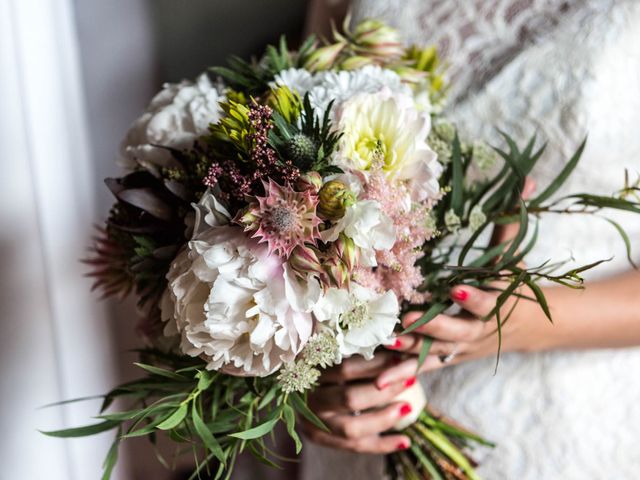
254, 76
499, 198
230, 137
318, 136
437, 449
215, 414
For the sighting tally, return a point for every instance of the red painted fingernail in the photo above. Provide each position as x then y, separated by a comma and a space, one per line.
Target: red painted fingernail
396, 344
405, 410
409, 382
460, 295
402, 445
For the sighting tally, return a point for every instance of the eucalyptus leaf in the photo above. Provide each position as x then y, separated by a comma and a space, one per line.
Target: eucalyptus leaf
435, 310
111, 458
298, 403
290, 422
625, 239
424, 350
175, 418
457, 178
83, 431
561, 178
256, 432
160, 371
205, 434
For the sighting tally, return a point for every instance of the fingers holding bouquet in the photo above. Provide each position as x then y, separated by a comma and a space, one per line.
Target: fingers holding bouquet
466, 336
357, 413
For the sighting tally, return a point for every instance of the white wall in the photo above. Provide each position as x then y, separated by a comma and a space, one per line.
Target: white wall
54, 339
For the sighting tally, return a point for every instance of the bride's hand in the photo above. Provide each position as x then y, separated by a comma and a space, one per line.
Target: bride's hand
356, 412
463, 337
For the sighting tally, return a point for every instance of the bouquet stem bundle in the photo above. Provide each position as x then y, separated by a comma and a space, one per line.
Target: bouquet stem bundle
438, 451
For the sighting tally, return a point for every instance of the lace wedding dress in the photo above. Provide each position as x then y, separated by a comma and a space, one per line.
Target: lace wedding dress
561, 69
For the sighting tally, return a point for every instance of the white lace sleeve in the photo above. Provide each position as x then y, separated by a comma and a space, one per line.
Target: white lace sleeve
475, 37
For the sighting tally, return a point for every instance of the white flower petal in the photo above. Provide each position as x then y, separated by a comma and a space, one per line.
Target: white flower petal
228, 299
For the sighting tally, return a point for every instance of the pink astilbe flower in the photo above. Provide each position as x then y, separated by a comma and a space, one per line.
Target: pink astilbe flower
396, 267
283, 218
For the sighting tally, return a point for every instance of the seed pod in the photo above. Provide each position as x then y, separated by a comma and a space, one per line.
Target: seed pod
334, 198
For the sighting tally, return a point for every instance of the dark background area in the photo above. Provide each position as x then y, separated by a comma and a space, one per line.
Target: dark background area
190, 35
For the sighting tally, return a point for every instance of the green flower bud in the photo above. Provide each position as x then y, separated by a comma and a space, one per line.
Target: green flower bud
410, 74
355, 62
302, 150
334, 198
452, 221
337, 272
304, 261
477, 218
309, 181
377, 39
347, 251
324, 57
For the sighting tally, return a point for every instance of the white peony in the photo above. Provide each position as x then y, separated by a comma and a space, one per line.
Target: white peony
362, 318
175, 118
369, 228
325, 86
235, 305
386, 129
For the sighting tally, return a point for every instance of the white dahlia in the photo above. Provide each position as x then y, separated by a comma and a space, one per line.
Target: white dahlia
236, 306
362, 318
176, 116
386, 130
326, 86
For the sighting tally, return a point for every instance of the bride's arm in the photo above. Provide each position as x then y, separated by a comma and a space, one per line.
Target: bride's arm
604, 315
322, 12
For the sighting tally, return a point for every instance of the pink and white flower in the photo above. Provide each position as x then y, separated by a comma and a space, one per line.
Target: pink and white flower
283, 219
235, 305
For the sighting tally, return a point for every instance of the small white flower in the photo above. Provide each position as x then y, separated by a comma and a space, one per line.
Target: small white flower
452, 221
322, 348
484, 156
175, 118
298, 377
369, 228
477, 218
363, 319
326, 86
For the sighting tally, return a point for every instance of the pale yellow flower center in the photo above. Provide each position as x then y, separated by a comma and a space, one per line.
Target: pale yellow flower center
372, 149
357, 316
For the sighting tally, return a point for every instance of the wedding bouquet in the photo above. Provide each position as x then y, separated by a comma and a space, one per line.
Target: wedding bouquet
281, 215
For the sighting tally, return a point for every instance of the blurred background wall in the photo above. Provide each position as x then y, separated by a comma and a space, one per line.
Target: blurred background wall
73, 75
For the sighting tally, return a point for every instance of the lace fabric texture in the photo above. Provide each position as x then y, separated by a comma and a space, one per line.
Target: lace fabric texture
561, 69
